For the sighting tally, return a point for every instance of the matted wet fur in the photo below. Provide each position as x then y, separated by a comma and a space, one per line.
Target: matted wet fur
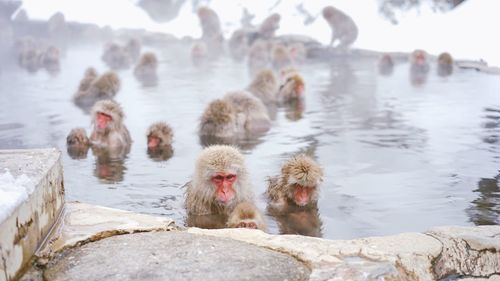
246, 215
115, 134
218, 120
264, 86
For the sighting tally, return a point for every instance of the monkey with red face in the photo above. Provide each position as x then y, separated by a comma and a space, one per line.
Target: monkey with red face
297, 185
109, 132
159, 137
220, 183
292, 88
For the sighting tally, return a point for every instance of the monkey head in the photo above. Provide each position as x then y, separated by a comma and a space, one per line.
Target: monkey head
106, 85
222, 168
418, 58
293, 88
445, 59
302, 175
329, 12
159, 134
77, 143
107, 115
149, 58
219, 119
90, 73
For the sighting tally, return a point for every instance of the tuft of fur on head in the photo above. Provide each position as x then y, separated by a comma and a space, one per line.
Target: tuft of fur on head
302, 170
110, 108
251, 111
445, 59
77, 136
149, 58
162, 131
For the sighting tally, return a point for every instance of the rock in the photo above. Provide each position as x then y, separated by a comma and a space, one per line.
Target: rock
173, 256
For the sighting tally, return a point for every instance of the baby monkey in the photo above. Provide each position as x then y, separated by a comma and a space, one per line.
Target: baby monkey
296, 185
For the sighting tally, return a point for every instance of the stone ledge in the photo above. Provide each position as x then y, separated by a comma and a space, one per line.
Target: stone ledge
24, 229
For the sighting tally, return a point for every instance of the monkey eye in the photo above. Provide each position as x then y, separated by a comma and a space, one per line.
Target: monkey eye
230, 177
219, 178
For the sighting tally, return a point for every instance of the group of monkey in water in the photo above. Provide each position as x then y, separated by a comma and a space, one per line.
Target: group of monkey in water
220, 193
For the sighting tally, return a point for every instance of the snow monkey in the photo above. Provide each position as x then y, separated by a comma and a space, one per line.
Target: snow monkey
108, 128
220, 183
159, 138
297, 184
343, 27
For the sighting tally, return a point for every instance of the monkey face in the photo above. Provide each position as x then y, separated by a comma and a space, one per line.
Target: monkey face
153, 141
223, 183
103, 120
302, 194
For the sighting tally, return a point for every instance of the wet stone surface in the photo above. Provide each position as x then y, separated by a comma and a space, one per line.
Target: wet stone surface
173, 255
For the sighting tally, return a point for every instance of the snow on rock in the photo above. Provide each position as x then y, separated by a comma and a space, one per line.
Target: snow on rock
13, 191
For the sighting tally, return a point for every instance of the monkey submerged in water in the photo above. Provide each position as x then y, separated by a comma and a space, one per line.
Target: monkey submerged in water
297, 185
219, 185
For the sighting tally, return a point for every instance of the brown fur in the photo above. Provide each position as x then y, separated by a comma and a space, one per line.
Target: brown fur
251, 112
210, 23
162, 131
258, 55
133, 49
269, 26
146, 68
116, 57
219, 120
115, 134
301, 170
244, 214
343, 27
385, 64
105, 86
445, 64
88, 77
280, 57
200, 192
77, 143
287, 90
265, 86
416, 66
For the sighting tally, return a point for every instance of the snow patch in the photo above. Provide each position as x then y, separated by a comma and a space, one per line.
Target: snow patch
13, 191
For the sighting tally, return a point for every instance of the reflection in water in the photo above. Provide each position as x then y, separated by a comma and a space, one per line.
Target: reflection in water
294, 109
110, 164
160, 153
77, 151
485, 209
444, 70
298, 220
418, 75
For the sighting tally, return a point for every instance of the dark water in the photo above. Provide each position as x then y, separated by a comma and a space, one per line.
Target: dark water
397, 157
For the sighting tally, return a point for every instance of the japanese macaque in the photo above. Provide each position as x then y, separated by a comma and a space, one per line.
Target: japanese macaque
265, 86
199, 52
109, 132
57, 27
133, 49
246, 215
258, 55
280, 57
238, 44
298, 52
211, 29
77, 143
269, 26
219, 120
251, 113
145, 70
445, 64
385, 65
220, 183
29, 59
344, 29
159, 137
116, 57
297, 185
105, 86
50, 59
419, 67
89, 76
292, 88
